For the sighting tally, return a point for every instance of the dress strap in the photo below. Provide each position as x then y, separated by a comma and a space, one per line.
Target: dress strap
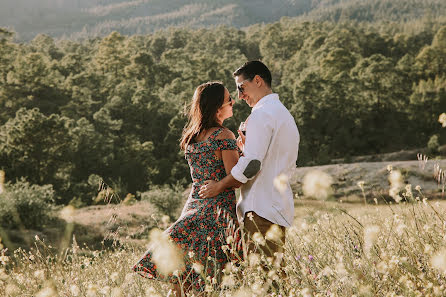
215, 133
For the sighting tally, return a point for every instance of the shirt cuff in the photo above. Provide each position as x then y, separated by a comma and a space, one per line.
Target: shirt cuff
238, 175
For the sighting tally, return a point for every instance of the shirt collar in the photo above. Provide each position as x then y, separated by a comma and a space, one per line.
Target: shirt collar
264, 100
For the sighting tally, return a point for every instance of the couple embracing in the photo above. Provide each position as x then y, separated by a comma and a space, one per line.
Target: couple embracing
219, 163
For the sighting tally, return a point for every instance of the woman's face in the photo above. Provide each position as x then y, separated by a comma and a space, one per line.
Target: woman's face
225, 111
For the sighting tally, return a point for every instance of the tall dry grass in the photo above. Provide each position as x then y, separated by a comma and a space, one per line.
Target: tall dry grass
379, 249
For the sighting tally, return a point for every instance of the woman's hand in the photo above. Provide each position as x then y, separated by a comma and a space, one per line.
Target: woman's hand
241, 140
209, 189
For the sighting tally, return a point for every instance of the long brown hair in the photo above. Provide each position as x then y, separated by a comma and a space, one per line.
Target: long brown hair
207, 99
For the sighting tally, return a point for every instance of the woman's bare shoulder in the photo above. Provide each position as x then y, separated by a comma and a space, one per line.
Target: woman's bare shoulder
226, 134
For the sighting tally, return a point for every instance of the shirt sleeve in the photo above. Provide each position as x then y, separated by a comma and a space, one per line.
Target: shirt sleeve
259, 131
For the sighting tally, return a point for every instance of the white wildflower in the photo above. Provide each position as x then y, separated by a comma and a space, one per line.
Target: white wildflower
67, 213
228, 268
3, 275
92, 290
4, 259
114, 276
105, 290
48, 291
165, 254
382, 267
340, 269
396, 183
400, 229
317, 184
151, 292
116, 292
39, 274
228, 281
327, 271
257, 288
306, 292
11, 290
75, 290
253, 259
370, 236
208, 288
442, 119
258, 238
365, 290
281, 183
438, 261
165, 221
438, 291
274, 233
197, 267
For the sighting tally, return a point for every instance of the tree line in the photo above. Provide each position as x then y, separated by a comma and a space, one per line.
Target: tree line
81, 19
112, 108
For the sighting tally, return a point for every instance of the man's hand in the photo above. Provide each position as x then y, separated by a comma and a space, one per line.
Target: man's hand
241, 140
210, 189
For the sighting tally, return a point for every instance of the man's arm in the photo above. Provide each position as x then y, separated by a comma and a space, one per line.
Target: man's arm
259, 133
211, 188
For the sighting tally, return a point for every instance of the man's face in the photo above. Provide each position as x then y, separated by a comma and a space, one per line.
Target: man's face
245, 90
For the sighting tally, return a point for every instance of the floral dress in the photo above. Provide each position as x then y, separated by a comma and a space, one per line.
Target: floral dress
206, 225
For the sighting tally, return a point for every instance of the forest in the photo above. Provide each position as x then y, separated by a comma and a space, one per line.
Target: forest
73, 113
81, 19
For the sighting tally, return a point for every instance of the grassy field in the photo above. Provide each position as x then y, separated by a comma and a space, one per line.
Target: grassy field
350, 243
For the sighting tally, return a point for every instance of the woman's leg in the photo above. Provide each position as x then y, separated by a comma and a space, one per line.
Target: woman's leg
177, 290
181, 292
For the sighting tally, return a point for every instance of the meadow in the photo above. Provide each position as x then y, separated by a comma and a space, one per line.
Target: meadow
364, 246
362, 79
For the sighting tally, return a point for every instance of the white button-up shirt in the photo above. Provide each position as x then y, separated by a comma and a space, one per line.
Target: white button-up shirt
273, 139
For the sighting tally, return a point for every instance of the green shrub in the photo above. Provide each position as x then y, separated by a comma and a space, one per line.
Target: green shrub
433, 144
167, 199
26, 205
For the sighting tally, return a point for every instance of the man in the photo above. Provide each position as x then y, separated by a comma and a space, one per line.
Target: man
270, 150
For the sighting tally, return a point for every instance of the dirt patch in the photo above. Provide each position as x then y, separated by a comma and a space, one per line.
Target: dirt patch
375, 177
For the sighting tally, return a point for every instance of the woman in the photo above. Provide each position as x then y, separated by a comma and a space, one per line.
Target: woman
205, 225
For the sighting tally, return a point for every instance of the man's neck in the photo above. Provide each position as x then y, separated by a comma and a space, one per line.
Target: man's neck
263, 95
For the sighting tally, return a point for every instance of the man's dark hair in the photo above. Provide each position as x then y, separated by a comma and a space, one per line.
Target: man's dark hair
253, 68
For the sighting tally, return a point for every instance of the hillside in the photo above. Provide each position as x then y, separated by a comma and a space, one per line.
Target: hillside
80, 19
86, 19
376, 10
132, 223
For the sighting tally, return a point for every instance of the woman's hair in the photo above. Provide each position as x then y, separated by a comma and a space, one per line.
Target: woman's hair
207, 99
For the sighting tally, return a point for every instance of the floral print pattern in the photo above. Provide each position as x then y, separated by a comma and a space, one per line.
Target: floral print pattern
205, 225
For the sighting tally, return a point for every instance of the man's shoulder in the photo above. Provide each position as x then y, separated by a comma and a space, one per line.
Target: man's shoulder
274, 108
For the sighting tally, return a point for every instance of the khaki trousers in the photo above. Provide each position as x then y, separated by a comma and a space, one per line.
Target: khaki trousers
254, 223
